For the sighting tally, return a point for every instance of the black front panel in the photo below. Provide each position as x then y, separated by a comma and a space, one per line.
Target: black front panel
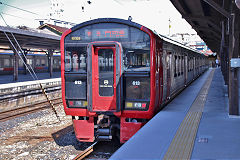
137, 88
76, 86
106, 73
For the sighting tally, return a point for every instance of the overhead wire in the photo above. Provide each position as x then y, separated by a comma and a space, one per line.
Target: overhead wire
14, 15
18, 8
21, 10
32, 72
34, 76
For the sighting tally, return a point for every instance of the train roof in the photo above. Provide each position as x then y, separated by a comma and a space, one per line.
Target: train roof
133, 24
106, 20
167, 39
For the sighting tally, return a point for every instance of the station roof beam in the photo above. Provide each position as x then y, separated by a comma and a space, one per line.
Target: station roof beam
217, 23
30, 39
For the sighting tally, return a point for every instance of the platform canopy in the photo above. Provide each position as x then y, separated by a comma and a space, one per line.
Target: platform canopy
30, 38
217, 22
206, 18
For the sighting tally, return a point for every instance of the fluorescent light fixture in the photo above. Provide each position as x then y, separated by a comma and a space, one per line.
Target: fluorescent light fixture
237, 3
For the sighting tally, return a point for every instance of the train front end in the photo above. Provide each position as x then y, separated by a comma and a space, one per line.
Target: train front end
106, 78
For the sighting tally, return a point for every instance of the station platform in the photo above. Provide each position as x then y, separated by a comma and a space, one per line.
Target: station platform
27, 84
22, 77
195, 125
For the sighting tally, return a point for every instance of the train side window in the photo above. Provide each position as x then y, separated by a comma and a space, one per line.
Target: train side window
191, 64
43, 62
20, 63
175, 66
29, 61
179, 65
168, 60
157, 61
182, 65
38, 62
6, 63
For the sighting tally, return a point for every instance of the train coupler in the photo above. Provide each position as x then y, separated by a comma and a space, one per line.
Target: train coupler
104, 134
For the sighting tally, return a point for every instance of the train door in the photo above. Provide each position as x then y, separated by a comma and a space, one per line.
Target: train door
103, 77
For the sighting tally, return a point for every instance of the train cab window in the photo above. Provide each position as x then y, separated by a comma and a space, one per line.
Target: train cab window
75, 59
137, 51
137, 61
68, 61
134, 42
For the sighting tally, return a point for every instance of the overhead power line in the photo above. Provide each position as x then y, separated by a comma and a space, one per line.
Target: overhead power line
15, 16
18, 8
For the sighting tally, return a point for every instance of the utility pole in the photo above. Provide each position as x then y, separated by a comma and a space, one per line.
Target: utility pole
169, 26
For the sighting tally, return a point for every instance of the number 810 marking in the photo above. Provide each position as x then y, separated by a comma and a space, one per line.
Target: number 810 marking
136, 83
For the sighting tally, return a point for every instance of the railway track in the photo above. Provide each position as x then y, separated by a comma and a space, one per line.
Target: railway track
86, 152
28, 93
99, 150
13, 113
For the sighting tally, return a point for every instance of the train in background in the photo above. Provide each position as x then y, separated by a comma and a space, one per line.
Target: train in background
117, 74
39, 63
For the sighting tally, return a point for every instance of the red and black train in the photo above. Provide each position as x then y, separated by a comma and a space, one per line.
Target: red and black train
117, 74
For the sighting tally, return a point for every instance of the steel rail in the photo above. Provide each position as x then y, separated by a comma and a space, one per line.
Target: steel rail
10, 114
86, 152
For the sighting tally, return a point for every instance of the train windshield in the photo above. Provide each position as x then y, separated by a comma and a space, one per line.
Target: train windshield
76, 59
135, 44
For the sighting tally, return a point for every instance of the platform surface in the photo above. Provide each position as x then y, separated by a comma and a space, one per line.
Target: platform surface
4, 79
217, 134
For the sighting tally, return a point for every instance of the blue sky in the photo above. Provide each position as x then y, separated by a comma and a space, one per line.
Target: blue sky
151, 13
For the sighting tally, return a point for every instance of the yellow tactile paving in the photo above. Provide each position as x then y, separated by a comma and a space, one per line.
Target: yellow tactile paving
183, 141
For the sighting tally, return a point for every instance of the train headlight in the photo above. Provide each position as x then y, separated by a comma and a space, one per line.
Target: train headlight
136, 105
129, 105
77, 104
